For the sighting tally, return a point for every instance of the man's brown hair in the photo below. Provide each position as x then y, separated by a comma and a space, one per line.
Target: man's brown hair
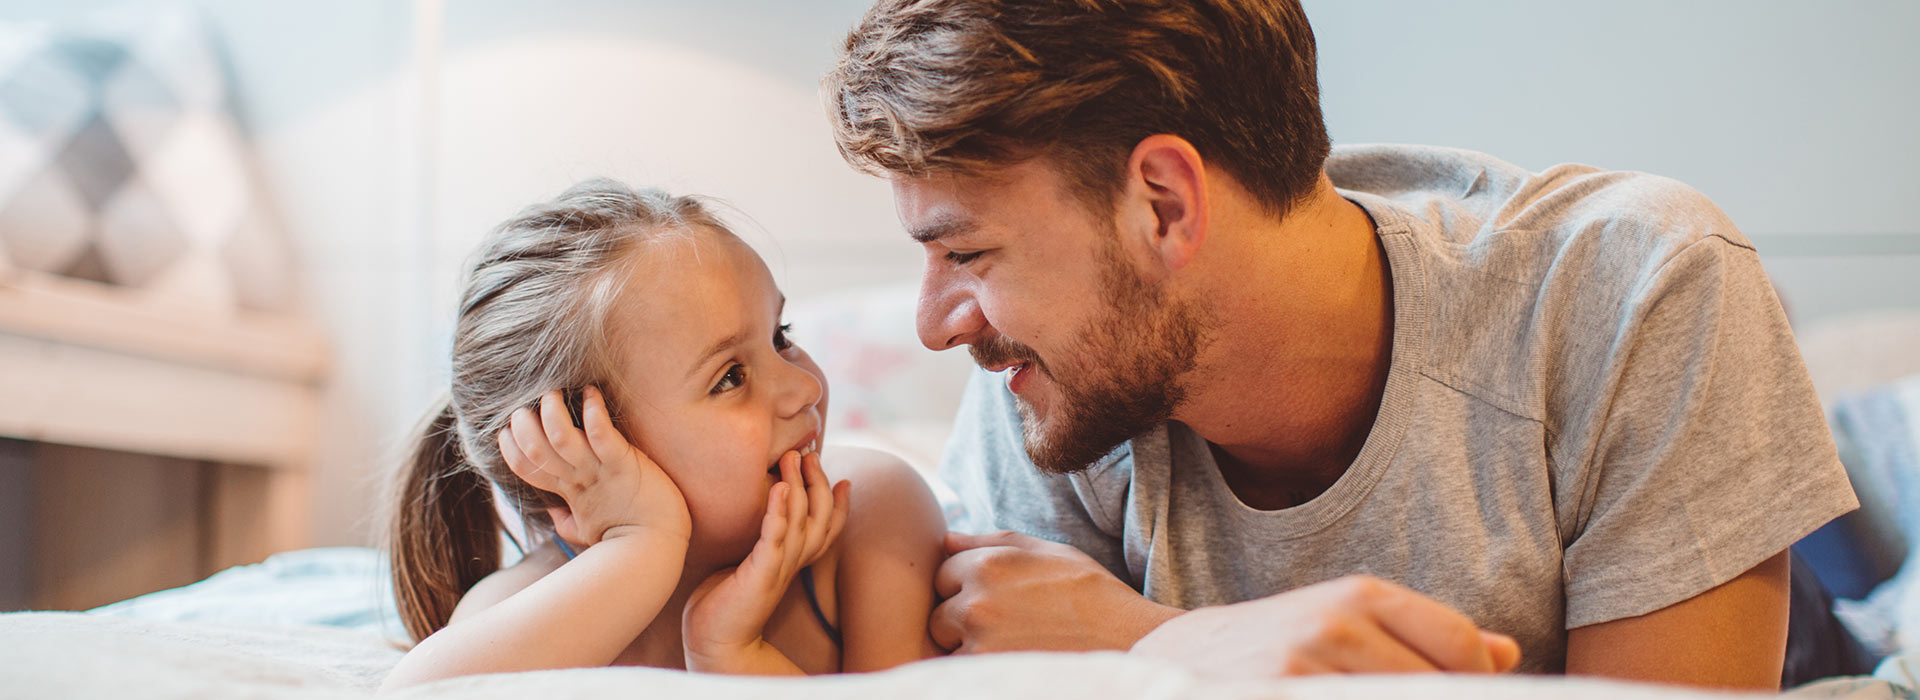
926, 86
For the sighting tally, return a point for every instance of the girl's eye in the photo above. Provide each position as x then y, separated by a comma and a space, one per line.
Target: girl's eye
959, 258
780, 340
735, 376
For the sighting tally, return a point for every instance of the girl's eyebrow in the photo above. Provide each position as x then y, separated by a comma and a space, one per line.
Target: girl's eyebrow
718, 347
727, 343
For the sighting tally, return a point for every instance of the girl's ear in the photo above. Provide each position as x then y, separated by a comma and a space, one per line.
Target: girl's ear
565, 526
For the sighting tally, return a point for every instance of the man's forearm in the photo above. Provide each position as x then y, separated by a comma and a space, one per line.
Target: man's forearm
1137, 620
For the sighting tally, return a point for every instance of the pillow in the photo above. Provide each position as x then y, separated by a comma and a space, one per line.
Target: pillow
121, 163
885, 388
1881, 428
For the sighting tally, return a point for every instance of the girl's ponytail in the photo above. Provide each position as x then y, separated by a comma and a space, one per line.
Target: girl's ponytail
444, 535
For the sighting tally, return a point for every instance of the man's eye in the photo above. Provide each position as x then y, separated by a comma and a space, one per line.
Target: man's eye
959, 258
735, 376
780, 340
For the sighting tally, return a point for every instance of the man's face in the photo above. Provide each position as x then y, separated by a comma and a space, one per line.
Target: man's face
1044, 289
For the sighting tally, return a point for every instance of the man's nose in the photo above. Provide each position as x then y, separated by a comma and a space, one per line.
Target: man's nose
948, 313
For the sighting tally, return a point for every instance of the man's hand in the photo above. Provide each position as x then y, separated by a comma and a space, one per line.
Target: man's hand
1010, 592
1357, 624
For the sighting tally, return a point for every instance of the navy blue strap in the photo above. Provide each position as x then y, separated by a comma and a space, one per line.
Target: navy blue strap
813, 598
565, 548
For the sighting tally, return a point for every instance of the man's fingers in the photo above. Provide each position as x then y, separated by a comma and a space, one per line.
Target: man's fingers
1445, 636
1503, 649
958, 542
956, 571
1363, 647
944, 625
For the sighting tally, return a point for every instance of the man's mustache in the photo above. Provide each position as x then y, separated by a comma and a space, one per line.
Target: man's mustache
1000, 352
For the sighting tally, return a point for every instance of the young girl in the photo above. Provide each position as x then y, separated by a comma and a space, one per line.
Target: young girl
691, 523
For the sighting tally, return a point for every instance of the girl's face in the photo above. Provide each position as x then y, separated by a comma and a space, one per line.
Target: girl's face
714, 390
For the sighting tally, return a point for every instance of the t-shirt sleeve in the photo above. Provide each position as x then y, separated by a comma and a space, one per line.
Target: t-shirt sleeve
986, 465
1712, 454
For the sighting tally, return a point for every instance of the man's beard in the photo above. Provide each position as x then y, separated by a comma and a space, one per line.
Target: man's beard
1126, 373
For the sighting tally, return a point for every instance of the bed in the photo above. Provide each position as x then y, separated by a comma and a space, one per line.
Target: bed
317, 623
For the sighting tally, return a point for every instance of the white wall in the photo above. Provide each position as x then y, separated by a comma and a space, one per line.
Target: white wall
1796, 117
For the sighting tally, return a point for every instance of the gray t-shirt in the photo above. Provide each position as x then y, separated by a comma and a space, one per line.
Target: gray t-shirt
1595, 410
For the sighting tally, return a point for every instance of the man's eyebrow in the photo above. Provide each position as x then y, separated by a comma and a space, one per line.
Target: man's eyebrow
942, 229
718, 347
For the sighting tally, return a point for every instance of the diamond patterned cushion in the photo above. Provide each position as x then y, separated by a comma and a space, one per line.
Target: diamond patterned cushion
120, 163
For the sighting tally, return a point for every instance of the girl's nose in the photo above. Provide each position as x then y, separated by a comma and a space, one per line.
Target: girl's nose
800, 389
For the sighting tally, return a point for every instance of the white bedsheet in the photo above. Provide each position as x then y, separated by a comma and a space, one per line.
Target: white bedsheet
319, 623
76, 655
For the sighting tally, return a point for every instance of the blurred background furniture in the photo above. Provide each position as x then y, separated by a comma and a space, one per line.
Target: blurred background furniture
145, 449
161, 394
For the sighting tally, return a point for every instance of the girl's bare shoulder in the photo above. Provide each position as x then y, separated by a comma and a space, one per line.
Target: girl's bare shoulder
854, 463
888, 554
889, 501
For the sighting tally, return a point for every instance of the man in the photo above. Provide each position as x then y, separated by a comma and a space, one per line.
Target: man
1397, 409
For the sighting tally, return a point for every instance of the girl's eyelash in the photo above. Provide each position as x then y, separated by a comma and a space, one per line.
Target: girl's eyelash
737, 373
735, 376
959, 258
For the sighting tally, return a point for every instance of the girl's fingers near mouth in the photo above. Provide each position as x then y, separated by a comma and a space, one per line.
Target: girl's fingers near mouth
820, 503
797, 508
775, 523
842, 503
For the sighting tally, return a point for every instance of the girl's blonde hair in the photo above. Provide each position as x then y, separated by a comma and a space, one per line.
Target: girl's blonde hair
533, 318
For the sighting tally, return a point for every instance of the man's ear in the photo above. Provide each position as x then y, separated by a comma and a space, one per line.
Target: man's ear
565, 526
1167, 183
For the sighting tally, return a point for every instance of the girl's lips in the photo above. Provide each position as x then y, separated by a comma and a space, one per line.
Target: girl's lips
806, 447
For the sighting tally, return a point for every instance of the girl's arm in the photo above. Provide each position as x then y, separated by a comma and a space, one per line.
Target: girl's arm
889, 553
586, 612
583, 614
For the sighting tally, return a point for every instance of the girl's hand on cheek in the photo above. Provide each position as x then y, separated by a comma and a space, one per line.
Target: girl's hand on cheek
611, 488
727, 614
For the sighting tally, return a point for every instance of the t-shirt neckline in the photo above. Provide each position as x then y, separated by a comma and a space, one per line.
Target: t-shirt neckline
1392, 227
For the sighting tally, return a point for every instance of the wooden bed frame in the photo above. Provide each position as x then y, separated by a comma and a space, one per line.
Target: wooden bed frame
150, 439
